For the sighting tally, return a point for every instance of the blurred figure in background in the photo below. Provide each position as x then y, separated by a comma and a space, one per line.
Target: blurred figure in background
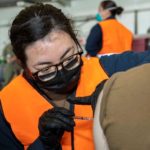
108, 35
10, 68
148, 32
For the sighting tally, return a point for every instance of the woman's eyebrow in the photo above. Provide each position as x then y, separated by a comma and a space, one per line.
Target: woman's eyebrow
43, 63
66, 52
50, 63
36, 66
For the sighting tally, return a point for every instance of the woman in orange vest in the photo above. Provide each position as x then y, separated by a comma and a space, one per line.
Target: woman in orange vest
108, 35
36, 108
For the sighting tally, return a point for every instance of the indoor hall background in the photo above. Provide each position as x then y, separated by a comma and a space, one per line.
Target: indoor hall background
136, 16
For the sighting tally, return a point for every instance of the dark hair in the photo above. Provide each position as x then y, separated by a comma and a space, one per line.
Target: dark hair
110, 4
35, 22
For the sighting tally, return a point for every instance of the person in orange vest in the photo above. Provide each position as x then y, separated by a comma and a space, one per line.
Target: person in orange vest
36, 109
108, 35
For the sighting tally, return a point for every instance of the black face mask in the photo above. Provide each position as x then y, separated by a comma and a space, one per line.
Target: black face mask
64, 82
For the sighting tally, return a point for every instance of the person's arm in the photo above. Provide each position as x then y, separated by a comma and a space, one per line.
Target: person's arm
94, 41
122, 62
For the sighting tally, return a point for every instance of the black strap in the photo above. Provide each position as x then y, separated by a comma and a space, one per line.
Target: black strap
96, 94
72, 139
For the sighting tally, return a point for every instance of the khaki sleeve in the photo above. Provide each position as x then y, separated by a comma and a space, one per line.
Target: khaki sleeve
125, 110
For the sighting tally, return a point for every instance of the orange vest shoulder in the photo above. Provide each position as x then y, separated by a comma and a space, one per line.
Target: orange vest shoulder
92, 74
116, 37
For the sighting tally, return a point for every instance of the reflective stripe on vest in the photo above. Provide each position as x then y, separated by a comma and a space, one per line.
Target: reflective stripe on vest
23, 105
116, 38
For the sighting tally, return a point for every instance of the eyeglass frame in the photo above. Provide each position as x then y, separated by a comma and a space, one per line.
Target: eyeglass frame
35, 75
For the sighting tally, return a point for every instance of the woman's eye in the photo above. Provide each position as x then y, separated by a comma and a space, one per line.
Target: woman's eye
45, 69
67, 61
48, 69
70, 58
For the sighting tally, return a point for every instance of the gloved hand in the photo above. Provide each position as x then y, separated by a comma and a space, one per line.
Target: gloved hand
87, 100
52, 125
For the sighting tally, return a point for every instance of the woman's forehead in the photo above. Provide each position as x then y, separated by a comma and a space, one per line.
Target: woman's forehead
50, 48
57, 39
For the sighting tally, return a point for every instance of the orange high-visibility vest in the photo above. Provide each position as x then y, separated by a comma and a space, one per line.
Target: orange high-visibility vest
116, 37
23, 105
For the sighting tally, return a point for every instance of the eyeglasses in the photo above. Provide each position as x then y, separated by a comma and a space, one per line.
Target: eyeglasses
50, 72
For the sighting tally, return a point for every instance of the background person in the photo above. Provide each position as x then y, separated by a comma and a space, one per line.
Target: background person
11, 67
35, 110
108, 35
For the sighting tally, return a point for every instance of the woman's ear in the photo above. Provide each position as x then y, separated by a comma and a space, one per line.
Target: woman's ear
23, 66
107, 13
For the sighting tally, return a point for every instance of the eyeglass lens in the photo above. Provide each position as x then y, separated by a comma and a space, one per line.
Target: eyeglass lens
68, 64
